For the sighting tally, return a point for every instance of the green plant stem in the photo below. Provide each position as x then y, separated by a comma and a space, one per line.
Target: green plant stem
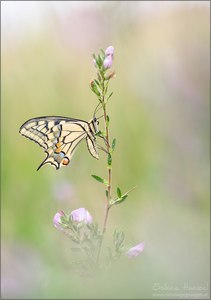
109, 170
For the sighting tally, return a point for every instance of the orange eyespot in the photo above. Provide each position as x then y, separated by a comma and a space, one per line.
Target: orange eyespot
65, 161
58, 150
58, 145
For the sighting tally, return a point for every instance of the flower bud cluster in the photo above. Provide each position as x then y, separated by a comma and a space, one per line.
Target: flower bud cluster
104, 60
62, 220
79, 218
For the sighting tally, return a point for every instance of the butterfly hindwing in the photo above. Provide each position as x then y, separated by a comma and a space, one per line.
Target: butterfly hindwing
59, 136
92, 147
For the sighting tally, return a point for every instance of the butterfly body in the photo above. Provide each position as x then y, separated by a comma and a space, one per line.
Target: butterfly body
60, 136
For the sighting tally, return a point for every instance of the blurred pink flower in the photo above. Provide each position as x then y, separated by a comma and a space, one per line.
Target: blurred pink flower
136, 250
109, 57
109, 51
81, 215
63, 191
57, 220
108, 62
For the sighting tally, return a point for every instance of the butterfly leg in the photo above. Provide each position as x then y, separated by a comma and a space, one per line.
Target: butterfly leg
101, 148
104, 139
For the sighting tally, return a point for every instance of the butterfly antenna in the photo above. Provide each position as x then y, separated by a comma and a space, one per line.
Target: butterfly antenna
97, 108
100, 117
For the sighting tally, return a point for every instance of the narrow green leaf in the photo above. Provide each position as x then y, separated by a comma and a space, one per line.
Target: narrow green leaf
119, 193
102, 53
94, 88
107, 120
120, 200
101, 133
109, 96
109, 159
106, 193
90, 226
99, 77
94, 56
100, 60
106, 87
113, 144
97, 82
100, 179
98, 63
124, 197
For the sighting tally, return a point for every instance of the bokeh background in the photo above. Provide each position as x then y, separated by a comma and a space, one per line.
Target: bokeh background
160, 116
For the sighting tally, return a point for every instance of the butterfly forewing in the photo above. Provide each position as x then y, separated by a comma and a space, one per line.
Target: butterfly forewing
60, 136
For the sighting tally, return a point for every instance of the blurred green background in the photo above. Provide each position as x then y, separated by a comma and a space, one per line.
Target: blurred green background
160, 116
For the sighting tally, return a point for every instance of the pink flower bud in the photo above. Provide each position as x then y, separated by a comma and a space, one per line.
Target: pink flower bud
57, 220
108, 62
92, 83
109, 51
81, 215
136, 250
111, 75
